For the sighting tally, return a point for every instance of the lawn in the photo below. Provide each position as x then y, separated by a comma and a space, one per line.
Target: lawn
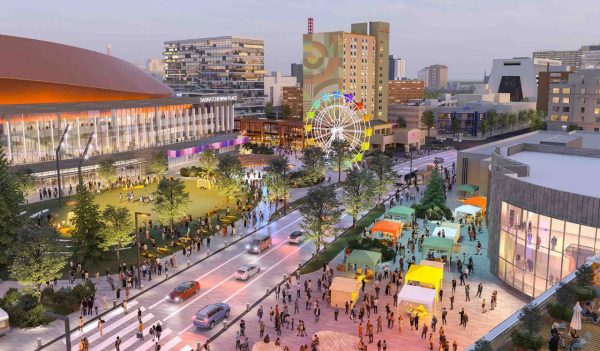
340, 244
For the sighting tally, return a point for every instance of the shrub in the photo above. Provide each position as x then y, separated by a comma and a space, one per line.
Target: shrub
259, 149
585, 293
184, 171
372, 245
299, 179
527, 341
561, 312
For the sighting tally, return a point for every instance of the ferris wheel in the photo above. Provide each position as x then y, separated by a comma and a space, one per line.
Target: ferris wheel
337, 116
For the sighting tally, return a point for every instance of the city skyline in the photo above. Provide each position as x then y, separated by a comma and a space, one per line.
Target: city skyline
418, 32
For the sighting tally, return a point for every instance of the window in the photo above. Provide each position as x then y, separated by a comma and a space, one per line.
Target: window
597, 111
555, 90
566, 90
554, 117
564, 118
583, 110
583, 90
555, 100
566, 100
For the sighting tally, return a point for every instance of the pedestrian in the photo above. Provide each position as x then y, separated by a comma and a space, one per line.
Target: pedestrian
479, 289
158, 331
483, 306
125, 306
100, 325
81, 323
139, 314
140, 334
336, 312
118, 344
452, 302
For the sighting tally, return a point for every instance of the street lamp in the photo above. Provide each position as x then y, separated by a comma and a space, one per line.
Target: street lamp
84, 157
60, 144
137, 243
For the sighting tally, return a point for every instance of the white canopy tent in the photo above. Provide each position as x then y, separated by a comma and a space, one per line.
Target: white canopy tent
451, 230
466, 210
417, 295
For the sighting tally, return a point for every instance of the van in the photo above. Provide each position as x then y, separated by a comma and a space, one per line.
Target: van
4, 325
259, 243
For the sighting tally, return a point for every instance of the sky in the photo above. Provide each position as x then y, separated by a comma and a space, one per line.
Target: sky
466, 35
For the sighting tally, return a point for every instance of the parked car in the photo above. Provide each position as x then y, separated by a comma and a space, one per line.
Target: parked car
4, 324
259, 243
296, 237
438, 160
208, 316
184, 291
246, 271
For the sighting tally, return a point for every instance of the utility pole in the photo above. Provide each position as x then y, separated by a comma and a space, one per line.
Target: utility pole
84, 157
137, 243
60, 144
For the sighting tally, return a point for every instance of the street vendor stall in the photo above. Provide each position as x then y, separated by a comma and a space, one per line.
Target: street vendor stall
425, 276
401, 213
414, 298
447, 230
478, 201
366, 262
470, 189
438, 244
387, 230
344, 290
467, 212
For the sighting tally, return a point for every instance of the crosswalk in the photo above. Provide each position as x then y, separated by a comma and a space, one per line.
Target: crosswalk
125, 326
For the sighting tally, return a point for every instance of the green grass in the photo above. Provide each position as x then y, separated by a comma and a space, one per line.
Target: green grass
340, 244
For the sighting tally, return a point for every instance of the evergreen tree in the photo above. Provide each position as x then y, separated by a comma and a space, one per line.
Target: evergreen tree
86, 236
171, 200
11, 198
320, 213
359, 192
433, 202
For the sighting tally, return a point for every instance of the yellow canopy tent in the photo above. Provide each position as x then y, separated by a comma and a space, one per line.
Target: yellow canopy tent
344, 289
425, 276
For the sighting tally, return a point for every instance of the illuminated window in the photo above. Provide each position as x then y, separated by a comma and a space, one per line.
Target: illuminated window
597, 111
555, 90
555, 100
566, 90
554, 118
566, 100
564, 118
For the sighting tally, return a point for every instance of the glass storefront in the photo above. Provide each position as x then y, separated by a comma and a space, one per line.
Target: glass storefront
536, 251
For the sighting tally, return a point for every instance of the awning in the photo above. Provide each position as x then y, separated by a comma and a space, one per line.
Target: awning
424, 276
401, 211
364, 258
417, 295
390, 227
467, 188
479, 201
451, 230
436, 243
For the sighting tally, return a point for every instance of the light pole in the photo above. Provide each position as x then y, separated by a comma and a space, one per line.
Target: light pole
84, 157
60, 144
137, 243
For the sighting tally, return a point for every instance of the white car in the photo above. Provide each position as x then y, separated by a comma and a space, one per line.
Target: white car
296, 237
246, 271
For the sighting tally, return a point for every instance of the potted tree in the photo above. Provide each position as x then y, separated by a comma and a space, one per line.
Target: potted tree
526, 337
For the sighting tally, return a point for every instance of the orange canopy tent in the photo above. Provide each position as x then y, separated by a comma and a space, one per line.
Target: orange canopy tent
479, 201
388, 229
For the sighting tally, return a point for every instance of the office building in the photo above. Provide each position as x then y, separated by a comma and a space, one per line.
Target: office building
557, 74
274, 84
518, 76
575, 101
397, 68
354, 62
296, 71
49, 94
219, 65
543, 209
277, 133
570, 58
434, 76
402, 91
590, 57
292, 98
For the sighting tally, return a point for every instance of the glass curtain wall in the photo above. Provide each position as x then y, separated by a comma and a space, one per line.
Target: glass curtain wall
537, 251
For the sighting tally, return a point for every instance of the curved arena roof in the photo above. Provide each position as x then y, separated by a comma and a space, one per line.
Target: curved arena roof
34, 71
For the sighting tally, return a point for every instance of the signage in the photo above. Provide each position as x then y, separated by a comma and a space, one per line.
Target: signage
217, 98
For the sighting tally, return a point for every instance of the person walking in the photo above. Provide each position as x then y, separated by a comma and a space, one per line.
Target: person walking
140, 334
483, 310
467, 291
118, 344
81, 323
100, 325
479, 290
452, 302
139, 314
336, 312
158, 331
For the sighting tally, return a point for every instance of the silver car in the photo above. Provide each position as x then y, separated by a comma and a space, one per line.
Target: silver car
246, 271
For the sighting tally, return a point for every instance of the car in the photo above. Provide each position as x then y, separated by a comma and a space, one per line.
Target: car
246, 271
209, 315
184, 291
296, 237
438, 160
259, 243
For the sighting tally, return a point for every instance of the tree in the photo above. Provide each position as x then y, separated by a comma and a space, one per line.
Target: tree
483, 126
107, 172
286, 111
38, 258
512, 120
26, 182
503, 121
522, 117
492, 119
359, 192
340, 156
433, 202
158, 164
456, 126
171, 199
209, 162
382, 167
228, 176
11, 198
118, 229
269, 110
536, 120
320, 213
526, 336
313, 164
279, 164
278, 187
483, 345
86, 236
428, 120
572, 126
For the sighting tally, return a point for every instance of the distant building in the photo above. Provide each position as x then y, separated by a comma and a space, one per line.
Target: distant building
575, 100
274, 85
590, 57
281, 132
296, 71
354, 62
402, 91
567, 57
292, 97
434, 76
219, 65
397, 70
557, 74
518, 76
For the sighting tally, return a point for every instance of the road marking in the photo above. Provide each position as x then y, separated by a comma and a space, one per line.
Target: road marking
284, 242
172, 343
187, 348
93, 326
150, 343
226, 262
132, 327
